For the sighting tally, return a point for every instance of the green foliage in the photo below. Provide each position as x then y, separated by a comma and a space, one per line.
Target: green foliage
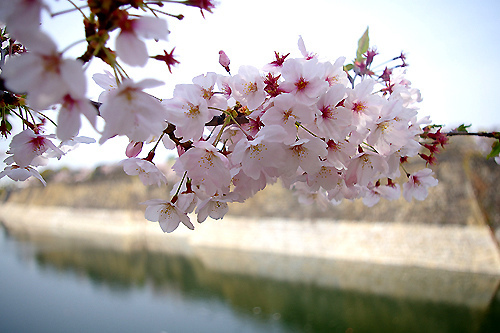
363, 44
495, 149
463, 128
348, 67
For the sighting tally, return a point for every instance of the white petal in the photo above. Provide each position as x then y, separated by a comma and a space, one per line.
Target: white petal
131, 49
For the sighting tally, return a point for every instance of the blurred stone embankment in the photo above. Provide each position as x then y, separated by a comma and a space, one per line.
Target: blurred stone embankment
466, 195
453, 229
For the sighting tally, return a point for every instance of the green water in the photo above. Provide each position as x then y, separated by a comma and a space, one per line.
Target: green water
51, 284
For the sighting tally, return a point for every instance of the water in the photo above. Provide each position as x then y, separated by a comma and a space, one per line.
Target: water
51, 284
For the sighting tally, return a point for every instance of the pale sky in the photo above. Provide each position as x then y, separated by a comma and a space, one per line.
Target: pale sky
451, 46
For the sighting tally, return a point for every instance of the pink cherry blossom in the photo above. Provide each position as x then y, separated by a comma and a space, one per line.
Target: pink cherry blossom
69, 116
364, 105
263, 155
389, 132
418, 184
303, 80
248, 87
167, 214
245, 186
23, 17
129, 111
285, 112
306, 154
44, 74
215, 207
327, 178
334, 73
130, 48
107, 81
333, 121
308, 197
17, 173
148, 173
339, 153
206, 84
27, 146
340, 191
365, 168
302, 48
69, 145
374, 193
207, 168
188, 111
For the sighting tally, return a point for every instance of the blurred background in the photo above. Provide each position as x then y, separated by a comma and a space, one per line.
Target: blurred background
78, 255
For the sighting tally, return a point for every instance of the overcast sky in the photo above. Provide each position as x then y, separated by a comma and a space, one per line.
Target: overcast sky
452, 48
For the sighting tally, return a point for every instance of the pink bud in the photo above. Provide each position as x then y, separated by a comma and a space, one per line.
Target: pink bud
133, 149
224, 60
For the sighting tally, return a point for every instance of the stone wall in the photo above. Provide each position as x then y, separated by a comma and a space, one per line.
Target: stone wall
446, 247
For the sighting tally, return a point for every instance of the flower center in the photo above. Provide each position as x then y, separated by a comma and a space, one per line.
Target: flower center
287, 115
301, 84
250, 87
207, 93
383, 126
359, 107
327, 112
194, 111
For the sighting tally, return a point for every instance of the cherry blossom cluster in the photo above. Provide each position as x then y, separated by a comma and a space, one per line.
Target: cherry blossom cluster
300, 121
36, 76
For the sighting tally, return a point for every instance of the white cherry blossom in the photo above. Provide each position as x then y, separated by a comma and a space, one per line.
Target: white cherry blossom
107, 81
364, 168
418, 184
285, 112
130, 47
17, 173
148, 173
206, 166
207, 84
334, 73
27, 146
167, 214
304, 80
333, 120
364, 105
23, 17
188, 111
69, 116
263, 155
306, 154
248, 87
216, 207
44, 74
129, 111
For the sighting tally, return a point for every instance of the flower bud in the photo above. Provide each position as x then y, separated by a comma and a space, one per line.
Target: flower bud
133, 149
224, 61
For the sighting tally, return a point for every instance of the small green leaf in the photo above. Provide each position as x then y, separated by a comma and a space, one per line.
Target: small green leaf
363, 44
463, 128
348, 67
495, 149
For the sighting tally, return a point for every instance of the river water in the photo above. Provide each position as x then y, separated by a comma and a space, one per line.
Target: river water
53, 284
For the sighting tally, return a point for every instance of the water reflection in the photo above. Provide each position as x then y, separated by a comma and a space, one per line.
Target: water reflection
280, 294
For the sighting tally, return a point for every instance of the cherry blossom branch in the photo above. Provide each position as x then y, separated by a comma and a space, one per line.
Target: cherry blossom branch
494, 135
332, 131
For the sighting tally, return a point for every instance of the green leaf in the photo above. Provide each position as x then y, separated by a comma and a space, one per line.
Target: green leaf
495, 149
348, 67
463, 128
363, 44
